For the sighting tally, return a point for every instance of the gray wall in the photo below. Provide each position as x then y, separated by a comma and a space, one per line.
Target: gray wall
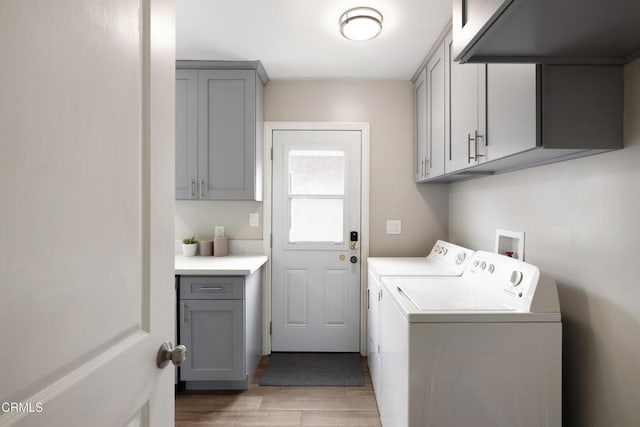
581, 219
388, 107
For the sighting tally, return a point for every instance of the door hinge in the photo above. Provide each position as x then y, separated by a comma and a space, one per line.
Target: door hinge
270, 328
271, 153
378, 348
379, 294
270, 240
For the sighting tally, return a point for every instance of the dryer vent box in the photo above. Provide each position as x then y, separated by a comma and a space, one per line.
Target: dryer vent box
510, 243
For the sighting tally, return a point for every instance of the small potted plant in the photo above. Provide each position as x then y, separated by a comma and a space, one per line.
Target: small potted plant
189, 245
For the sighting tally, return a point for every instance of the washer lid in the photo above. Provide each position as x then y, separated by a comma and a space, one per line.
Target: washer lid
449, 295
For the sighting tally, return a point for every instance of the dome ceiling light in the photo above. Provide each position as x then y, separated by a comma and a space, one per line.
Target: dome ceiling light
361, 23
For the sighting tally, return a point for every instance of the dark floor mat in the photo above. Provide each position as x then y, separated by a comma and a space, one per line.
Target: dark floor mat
313, 369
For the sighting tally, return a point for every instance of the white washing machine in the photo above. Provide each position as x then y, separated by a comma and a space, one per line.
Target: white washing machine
483, 349
445, 259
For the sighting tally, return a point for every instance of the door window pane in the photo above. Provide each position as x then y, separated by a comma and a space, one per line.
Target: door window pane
316, 172
316, 220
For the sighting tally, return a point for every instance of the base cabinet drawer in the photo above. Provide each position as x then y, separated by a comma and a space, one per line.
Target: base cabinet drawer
211, 287
213, 332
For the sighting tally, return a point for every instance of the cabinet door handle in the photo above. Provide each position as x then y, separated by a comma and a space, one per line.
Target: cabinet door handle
211, 288
193, 189
202, 188
476, 137
185, 312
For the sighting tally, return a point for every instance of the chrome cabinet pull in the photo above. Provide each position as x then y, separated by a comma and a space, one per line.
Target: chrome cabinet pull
211, 288
193, 188
475, 146
202, 188
477, 136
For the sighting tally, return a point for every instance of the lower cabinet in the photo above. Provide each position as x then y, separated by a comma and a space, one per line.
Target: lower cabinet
213, 331
220, 323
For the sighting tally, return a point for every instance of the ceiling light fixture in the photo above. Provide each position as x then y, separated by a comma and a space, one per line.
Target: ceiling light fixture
361, 23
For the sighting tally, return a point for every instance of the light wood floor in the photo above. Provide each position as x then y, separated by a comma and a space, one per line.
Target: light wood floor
280, 406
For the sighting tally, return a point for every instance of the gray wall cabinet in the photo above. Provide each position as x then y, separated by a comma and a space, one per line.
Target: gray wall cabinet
431, 117
504, 117
466, 92
546, 31
220, 323
186, 134
219, 132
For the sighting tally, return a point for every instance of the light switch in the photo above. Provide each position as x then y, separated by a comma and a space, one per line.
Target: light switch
394, 226
219, 231
254, 219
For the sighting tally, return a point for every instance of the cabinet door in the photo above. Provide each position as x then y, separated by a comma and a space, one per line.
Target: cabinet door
420, 110
213, 332
511, 109
373, 330
186, 134
227, 134
467, 97
470, 18
436, 125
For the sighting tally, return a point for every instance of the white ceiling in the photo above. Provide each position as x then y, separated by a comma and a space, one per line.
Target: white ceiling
298, 39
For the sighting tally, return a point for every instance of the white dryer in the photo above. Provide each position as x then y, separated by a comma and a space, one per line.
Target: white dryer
445, 259
483, 349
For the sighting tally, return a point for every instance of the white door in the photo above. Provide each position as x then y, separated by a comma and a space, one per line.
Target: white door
86, 183
315, 260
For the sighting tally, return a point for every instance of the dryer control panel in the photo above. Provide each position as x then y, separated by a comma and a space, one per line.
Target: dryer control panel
450, 254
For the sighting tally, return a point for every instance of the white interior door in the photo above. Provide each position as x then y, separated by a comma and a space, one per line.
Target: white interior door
86, 183
315, 266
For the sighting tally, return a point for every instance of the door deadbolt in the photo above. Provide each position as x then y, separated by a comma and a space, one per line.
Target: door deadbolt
353, 259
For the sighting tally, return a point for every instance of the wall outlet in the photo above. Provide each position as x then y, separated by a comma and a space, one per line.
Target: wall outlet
254, 219
219, 231
394, 226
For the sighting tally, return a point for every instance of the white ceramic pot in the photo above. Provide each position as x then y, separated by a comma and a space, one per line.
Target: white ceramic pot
189, 250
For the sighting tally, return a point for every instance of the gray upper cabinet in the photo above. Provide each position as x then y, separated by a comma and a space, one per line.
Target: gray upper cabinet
420, 130
467, 109
503, 117
227, 122
186, 134
430, 116
546, 31
436, 114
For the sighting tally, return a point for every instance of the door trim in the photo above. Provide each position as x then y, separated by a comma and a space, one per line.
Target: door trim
269, 128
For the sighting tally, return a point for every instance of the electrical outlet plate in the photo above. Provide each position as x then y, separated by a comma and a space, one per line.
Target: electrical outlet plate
394, 226
219, 231
254, 219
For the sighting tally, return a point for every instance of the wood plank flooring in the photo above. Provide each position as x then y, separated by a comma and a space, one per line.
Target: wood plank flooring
280, 406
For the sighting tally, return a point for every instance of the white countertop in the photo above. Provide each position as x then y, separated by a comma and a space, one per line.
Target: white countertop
233, 265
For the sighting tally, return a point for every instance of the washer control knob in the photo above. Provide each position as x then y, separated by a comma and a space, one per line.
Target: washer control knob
460, 258
516, 277
475, 263
444, 251
483, 265
491, 268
